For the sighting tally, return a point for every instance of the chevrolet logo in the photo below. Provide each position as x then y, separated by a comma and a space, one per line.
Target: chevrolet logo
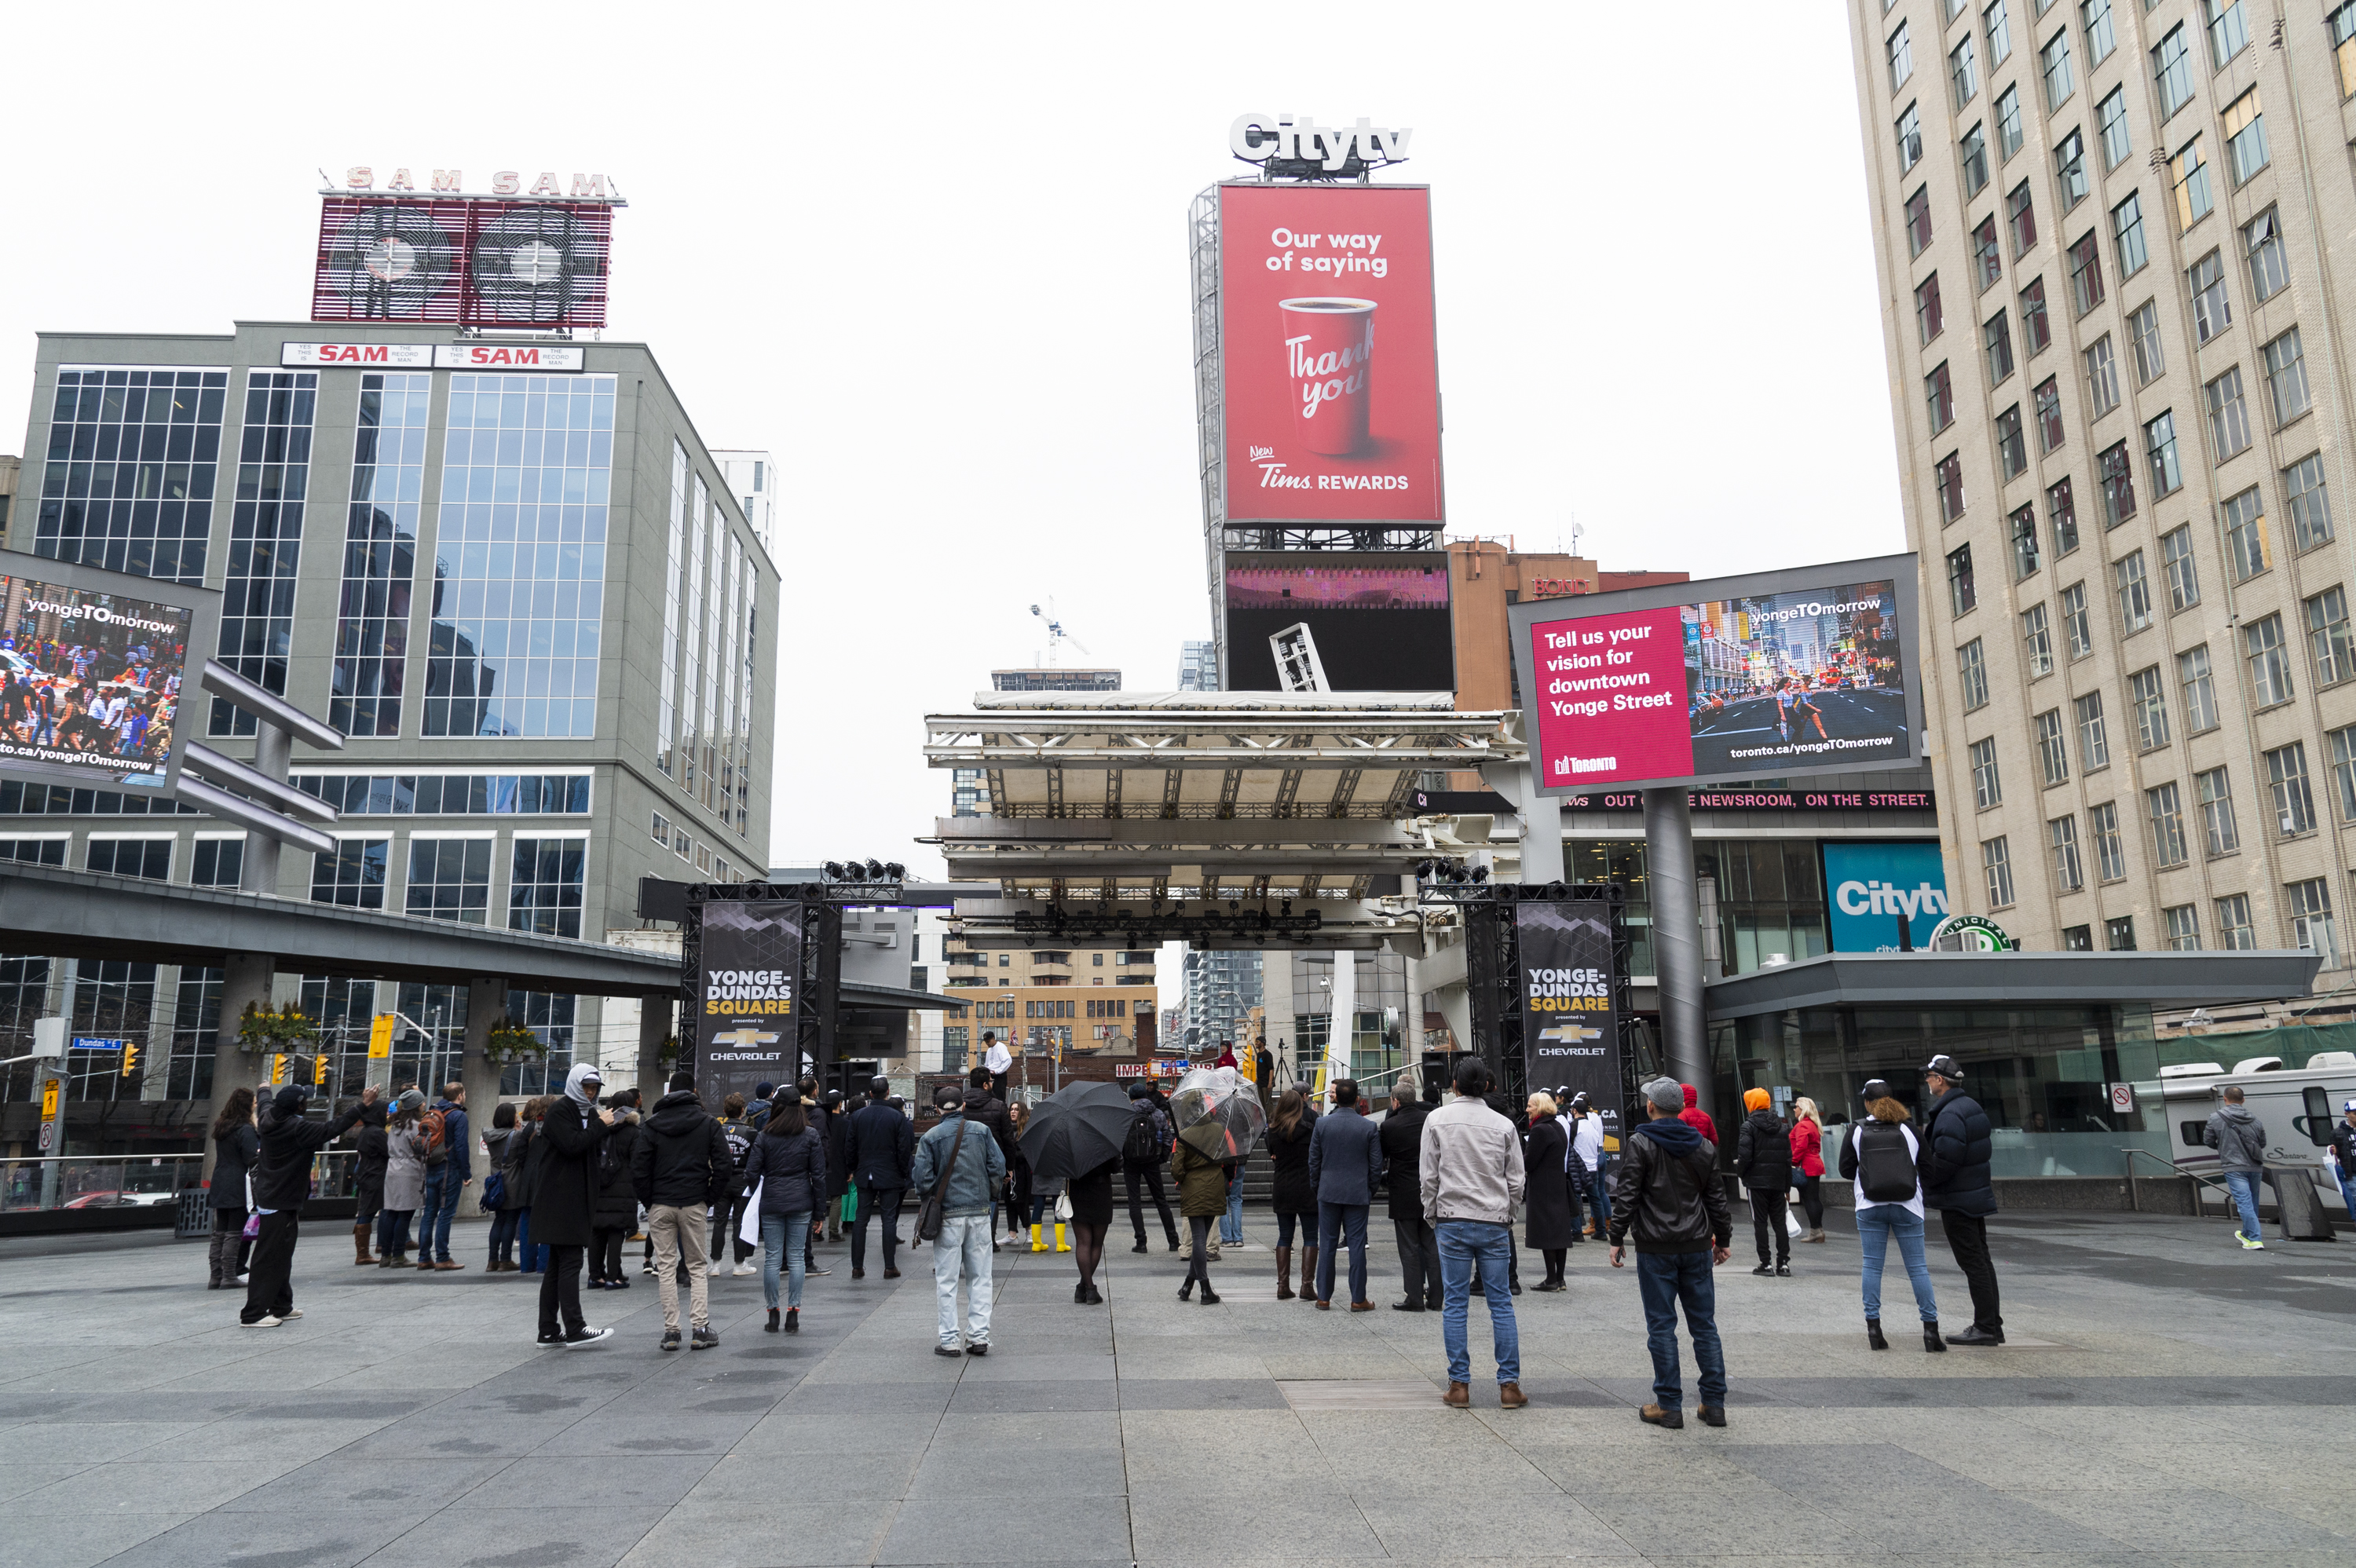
1570, 1034
744, 1037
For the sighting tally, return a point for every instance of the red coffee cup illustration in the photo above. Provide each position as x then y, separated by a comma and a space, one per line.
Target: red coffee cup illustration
1328, 349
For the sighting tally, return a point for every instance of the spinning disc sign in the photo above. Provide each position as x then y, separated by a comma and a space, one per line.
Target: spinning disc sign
748, 987
1571, 1028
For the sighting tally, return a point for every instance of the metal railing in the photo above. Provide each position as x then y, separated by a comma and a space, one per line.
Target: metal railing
2135, 1200
129, 1181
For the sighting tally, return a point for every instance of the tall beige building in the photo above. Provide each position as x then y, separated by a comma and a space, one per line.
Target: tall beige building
2114, 238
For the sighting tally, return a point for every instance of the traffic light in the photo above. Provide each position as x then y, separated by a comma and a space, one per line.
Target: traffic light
130, 1058
319, 1071
277, 1069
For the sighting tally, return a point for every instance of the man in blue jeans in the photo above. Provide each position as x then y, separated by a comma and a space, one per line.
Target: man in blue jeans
1470, 1176
1667, 1193
1345, 1165
2240, 1140
449, 1173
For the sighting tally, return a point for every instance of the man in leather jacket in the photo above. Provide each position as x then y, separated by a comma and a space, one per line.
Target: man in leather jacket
1668, 1196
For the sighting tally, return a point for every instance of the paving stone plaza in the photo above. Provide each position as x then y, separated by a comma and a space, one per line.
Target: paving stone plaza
2166, 1399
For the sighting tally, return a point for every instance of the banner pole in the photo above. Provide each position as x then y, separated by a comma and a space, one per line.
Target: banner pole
1677, 937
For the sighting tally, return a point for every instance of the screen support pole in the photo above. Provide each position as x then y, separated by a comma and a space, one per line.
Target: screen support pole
1676, 936
1542, 830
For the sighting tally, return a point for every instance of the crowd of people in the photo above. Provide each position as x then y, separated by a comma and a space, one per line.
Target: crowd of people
89, 698
572, 1176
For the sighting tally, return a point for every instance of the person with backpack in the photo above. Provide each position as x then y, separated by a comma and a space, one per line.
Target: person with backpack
1667, 1201
1958, 1152
1143, 1151
958, 1168
1762, 1163
449, 1171
787, 1167
1884, 1157
728, 1214
616, 1206
682, 1168
880, 1147
404, 1179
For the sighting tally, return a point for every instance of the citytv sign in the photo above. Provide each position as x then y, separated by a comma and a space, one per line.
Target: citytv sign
1873, 889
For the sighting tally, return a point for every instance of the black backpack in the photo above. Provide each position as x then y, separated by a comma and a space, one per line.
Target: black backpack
1885, 1171
1143, 1145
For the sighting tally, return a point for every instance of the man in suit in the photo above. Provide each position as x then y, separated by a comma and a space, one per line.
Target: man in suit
879, 1148
1345, 1164
1419, 1244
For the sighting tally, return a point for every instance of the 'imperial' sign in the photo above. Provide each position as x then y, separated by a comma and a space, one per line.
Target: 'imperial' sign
434, 356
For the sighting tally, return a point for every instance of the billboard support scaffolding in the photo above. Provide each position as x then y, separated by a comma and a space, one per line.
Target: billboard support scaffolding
1546, 975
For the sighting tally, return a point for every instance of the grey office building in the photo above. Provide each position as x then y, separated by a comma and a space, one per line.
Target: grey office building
526, 596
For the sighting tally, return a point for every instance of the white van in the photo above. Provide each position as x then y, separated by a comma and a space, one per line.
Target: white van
2297, 1106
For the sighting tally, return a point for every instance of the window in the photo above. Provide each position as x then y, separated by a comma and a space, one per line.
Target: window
2053, 751
2093, 738
2118, 933
2061, 838
459, 794
2310, 912
660, 827
2086, 274
544, 883
2049, 415
2159, 447
1995, 861
2064, 511
2102, 377
1939, 396
1964, 71
2246, 535
2189, 176
2111, 115
2286, 378
2008, 135
1951, 486
2100, 40
2172, 70
2074, 620
2021, 215
2134, 591
2229, 33
1960, 593
2148, 695
160, 515
2070, 169
2327, 637
2011, 447
2344, 771
2344, 45
150, 859
266, 534
1910, 140
2036, 327
1988, 790
2229, 415
354, 875
2263, 649
1929, 319
217, 862
2193, 673
2143, 332
2054, 61
450, 879
2110, 849
2176, 561
1972, 672
2024, 557
2037, 641
1988, 254
2246, 137
2126, 227
1901, 58
2234, 928
2310, 504
2077, 939
2262, 242
1918, 220
2167, 812
2000, 33
2118, 485
2218, 828
2213, 310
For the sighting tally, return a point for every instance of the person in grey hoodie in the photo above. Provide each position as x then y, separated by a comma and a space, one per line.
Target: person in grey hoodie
964, 1160
2240, 1140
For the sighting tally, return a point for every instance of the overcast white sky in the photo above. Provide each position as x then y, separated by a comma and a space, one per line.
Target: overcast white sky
935, 258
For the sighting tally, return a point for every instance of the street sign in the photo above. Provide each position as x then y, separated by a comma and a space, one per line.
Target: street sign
2122, 1097
49, 1090
49, 1136
381, 1038
95, 1042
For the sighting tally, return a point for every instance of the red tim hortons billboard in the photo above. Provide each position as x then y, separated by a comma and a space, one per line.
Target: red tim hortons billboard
1330, 370
462, 261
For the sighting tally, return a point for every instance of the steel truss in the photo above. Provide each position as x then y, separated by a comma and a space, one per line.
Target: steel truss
1493, 973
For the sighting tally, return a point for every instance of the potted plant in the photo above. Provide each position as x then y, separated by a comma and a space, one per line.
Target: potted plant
262, 1028
511, 1042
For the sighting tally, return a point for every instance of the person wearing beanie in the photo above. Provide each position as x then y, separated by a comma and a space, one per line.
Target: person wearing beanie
1762, 1162
1667, 1199
281, 1180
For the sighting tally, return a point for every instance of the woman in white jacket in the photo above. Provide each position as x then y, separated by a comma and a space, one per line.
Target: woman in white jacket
1884, 1157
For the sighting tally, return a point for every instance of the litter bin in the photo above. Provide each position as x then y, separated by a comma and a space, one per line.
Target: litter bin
194, 1216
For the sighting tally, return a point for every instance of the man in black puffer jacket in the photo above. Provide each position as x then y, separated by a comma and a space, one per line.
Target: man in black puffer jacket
281, 1180
681, 1167
1762, 1162
1956, 1153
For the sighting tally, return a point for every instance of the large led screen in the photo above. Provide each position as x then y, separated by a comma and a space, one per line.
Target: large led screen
1379, 622
1329, 378
92, 677
1753, 678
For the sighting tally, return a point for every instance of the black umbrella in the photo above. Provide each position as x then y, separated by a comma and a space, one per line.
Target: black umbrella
1076, 1129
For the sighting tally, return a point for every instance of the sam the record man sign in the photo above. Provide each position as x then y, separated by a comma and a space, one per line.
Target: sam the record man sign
1570, 1026
746, 996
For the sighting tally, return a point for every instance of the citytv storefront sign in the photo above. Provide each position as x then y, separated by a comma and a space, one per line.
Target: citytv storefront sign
1874, 889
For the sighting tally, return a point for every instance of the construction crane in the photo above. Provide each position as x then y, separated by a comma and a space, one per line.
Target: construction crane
1057, 636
